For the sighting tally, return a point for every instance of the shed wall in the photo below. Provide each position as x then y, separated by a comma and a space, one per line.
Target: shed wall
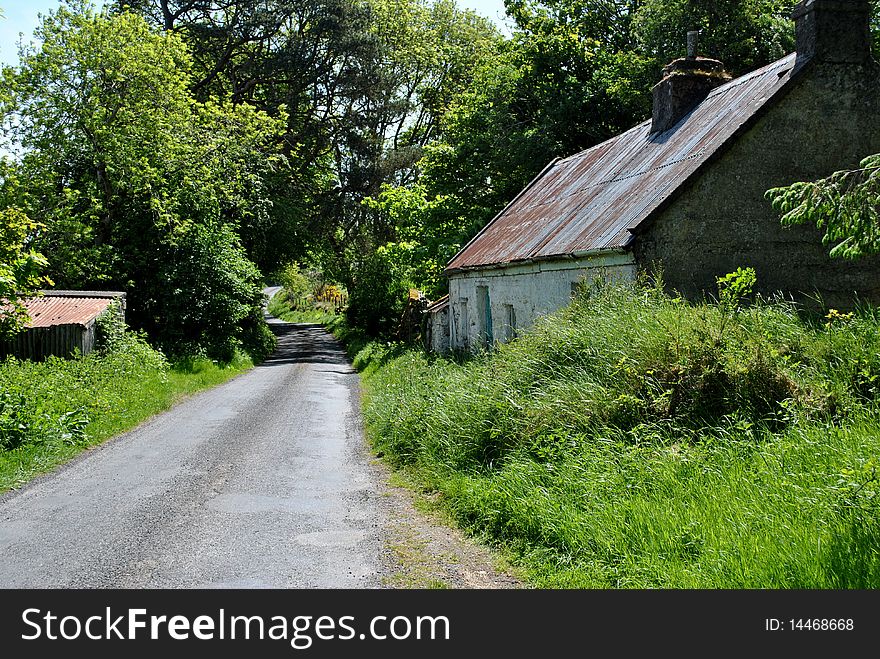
38, 343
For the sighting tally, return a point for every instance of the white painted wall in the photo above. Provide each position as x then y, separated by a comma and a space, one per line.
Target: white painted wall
438, 328
525, 291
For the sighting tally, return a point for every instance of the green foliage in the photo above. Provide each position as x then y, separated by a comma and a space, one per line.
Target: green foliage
110, 328
378, 294
211, 294
735, 287
47, 403
743, 35
296, 282
431, 49
627, 441
426, 237
52, 410
139, 186
364, 84
844, 206
20, 268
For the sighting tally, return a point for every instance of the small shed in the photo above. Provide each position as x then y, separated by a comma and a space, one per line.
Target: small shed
437, 325
62, 322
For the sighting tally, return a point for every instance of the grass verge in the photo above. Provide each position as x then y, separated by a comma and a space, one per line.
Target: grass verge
634, 440
51, 411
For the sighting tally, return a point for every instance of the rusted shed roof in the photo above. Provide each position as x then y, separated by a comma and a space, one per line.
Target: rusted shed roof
67, 308
593, 200
438, 304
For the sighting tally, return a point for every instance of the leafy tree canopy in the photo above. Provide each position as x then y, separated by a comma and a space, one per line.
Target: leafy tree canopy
20, 269
122, 163
743, 34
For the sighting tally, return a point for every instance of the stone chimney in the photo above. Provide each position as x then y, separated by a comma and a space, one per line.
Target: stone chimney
686, 81
833, 31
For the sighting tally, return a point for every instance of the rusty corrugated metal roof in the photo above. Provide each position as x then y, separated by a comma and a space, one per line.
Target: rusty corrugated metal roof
50, 310
438, 304
593, 200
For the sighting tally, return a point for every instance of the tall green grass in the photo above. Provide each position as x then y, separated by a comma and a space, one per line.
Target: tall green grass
279, 306
634, 440
51, 411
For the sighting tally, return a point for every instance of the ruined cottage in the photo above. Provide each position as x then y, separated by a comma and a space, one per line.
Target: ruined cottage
686, 189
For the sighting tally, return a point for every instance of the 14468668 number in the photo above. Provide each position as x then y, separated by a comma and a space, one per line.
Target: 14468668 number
821, 624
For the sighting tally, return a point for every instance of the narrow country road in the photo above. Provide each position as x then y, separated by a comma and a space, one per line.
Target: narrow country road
263, 481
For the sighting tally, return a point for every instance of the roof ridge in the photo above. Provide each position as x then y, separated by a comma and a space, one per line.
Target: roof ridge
720, 89
746, 77
589, 200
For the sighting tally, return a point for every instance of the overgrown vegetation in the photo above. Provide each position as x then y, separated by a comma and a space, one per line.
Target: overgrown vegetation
20, 268
636, 440
134, 185
51, 411
842, 205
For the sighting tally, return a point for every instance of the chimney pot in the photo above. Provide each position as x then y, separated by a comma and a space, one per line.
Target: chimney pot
686, 82
693, 38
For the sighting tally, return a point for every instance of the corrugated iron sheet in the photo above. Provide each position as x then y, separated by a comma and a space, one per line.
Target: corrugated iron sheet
38, 343
592, 200
49, 310
438, 304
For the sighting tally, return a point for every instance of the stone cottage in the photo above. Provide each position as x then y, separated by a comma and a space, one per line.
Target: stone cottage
686, 188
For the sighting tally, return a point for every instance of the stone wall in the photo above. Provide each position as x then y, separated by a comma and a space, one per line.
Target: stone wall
828, 120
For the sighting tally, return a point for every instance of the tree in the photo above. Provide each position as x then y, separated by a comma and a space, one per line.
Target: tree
121, 163
743, 34
567, 80
20, 269
312, 61
843, 205
365, 83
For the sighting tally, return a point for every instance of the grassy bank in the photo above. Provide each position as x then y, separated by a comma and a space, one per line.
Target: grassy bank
279, 306
51, 411
636, 441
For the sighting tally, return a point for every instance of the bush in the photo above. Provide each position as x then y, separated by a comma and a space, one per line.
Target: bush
211, 297
295, 282
110, 328
377, 297
53, 402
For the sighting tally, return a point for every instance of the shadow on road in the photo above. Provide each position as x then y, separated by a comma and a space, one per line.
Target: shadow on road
304, 343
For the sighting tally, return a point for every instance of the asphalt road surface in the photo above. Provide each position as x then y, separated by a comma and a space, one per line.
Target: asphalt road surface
263, 481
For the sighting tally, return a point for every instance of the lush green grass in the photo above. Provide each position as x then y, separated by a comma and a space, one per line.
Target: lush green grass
636, 441
51, 411
279, 306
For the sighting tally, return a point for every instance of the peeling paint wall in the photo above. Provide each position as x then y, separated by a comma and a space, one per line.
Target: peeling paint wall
438, 329
518, 294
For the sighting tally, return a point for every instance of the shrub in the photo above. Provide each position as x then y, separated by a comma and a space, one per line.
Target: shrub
212, 299
110, 328
377, 297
